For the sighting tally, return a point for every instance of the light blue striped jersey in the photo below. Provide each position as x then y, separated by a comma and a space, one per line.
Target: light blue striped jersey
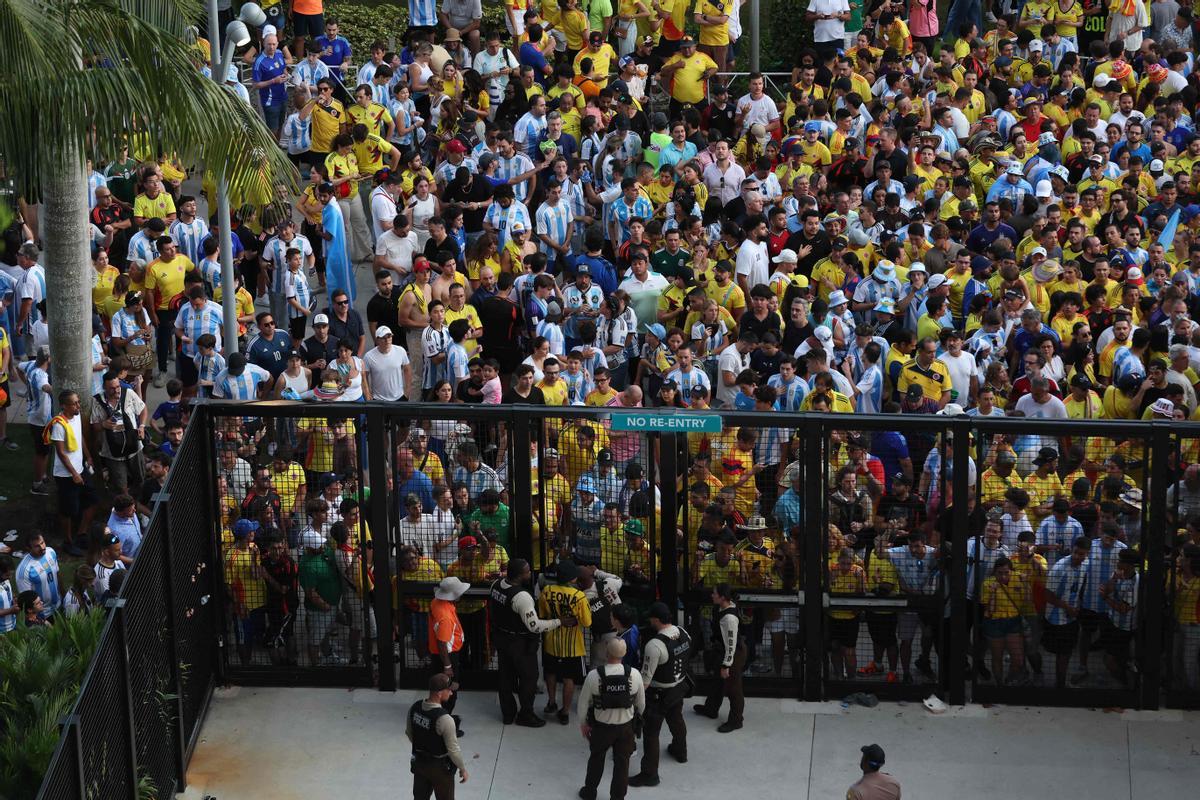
242, 387
1067, 582
190, 236
502, 219
40, 575
507, 168
195, 324
275, 254
789, 395
870, 387
433, 343
1102, 563
554, 221
296, 286
124, 326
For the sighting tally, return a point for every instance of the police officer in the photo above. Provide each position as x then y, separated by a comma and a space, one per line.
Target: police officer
517, 631
435, 752
602, 590
612, 697
664, 665
726, 655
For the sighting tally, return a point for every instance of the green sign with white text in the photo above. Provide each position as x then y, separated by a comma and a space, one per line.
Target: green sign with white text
651, 422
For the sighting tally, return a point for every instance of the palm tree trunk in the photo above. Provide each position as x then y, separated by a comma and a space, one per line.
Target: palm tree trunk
68, 279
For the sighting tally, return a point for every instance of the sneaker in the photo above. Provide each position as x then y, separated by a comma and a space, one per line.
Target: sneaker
550, 708
564, 717
892, 678
677, 753
160, 380
729, 727
703, 711
641, 779
10, 445
41, 489
869, 669
587, 793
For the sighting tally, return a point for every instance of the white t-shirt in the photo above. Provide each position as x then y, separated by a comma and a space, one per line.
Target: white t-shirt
386, 372
730, 360
398, 250
1053, 408
828, 30
753, 262
383, 210
57, 434
762, 110
960, 367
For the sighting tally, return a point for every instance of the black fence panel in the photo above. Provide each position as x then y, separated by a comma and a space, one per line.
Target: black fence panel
1180, 560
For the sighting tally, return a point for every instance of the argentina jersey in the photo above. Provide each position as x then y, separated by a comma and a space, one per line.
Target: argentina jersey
869, 391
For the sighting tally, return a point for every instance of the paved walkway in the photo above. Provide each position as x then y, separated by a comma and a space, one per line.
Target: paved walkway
289, 744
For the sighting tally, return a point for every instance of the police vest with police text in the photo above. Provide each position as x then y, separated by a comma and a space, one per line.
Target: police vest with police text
614, 689
504, 619
426, 741
674, 668
601, 611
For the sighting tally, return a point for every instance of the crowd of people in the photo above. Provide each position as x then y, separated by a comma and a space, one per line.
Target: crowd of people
587, 207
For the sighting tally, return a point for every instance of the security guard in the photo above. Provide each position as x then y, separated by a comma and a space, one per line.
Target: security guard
517, 631
435, 752
728, 655
602, 590
664, 665
612, 698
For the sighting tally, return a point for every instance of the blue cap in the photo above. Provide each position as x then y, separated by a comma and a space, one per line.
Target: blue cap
244, 527
812, 125
658, 330
586, 484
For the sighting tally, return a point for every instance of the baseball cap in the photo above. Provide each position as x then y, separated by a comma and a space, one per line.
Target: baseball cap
786, 256
1036, 44
244, 527
1101, 80
1157, 165
382, 331
936, 280
1095, 158
658, 330
420, 264
586, 484
320, 319
456, 146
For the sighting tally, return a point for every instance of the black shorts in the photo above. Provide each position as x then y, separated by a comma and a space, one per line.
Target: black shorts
315, 159
189, 376
882, 628
308, 25
6, 390
1091, 621
844, 632
566, 668
39, 446
1061, 639
1114, 640
74, 497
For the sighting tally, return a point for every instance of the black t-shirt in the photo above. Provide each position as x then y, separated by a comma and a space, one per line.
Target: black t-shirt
150, 487
385, 311
720, 120
478, 191
764, 365
469, 391
794, 336
771, 322
432, 248
821, 248
351, 329
535, 398
314, 350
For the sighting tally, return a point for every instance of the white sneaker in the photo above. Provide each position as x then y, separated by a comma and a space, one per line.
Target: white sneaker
160, 380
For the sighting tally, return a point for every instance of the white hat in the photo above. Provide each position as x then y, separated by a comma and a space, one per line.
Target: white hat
1102, 79
952, 410
823, 333
884, 270
1044, 189
517, 227
1157, 165
382, 330
321, 319
786, 256
936, 280
269, 30
1014, 168
1036, 44
1061, 172
231, 74
1163, 407
1133, 274
917, 266
836, 298
1046, 137
1038, 251
312, 540
451, 589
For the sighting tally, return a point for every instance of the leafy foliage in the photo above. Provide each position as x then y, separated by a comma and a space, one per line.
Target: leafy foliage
364, 21
42, 670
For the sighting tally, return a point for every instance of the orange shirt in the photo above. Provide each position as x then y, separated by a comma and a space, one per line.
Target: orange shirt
308, 7
444, 626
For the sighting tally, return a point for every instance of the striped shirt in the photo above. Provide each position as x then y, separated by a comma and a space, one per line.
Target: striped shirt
242, 387
190, 237
296, 135
768, 450
578, 387
446, 170
124, 326
554, 221
479, 481
573, 195
39, 404
558, 601
1058, 536
502, 219
31, 285
142, 249
433, 343
402, 113
296, 285
306, 74
7, 623
1101, 564
211, 272
554, 337
508, 168
687, 381
1067, 582
275, 254
870, 391
456, 363
1125, 590
95, 181
918, 574
40, 575
209, 367
790, 395
528, 131
622, 212
195, 324
422, 13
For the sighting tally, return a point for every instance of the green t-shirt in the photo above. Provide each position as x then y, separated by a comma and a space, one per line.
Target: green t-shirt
855, 23
598, 10
669, 265
318, 571
498, 522
122, 180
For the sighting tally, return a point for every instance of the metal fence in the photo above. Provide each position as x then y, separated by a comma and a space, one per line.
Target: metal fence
864, 559
143, 698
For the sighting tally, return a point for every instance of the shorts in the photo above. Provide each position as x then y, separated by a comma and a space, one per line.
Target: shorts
246, 631
352, 607
1091, 621
844, 632
74, 497
785, 620
565, 668
909, 625
307, 25
1000, 628
124, 473
882, 628
189, 376
318, 625
1061, 639
7, 392
1115, 641
39, 446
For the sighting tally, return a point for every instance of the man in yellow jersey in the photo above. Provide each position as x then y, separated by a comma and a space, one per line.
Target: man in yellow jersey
687, 72
562, 648
329, 118
928, 372
164, 279
713, 18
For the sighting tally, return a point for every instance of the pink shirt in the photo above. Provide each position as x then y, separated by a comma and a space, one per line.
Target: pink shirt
491, 392
923, 19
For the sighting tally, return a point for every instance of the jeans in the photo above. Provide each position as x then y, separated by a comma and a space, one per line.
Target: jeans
962, 12
164, 336
273, 115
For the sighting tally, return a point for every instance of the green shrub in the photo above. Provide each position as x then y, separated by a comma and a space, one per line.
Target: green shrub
364, 21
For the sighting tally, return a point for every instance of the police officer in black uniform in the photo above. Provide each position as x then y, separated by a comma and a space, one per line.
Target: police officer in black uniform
611, 699
664, 666
725, 660
517, 631
435, 752
603, 592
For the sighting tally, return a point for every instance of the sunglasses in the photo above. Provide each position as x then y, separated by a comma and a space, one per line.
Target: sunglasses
342, 303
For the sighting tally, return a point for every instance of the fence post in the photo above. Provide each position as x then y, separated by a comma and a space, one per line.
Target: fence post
668, 573
1154, 542
178, 739
216, 606
521, 501
813, 538
118, 608
956, 648
377, 456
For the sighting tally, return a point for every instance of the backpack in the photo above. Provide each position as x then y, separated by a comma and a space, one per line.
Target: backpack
122, 442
